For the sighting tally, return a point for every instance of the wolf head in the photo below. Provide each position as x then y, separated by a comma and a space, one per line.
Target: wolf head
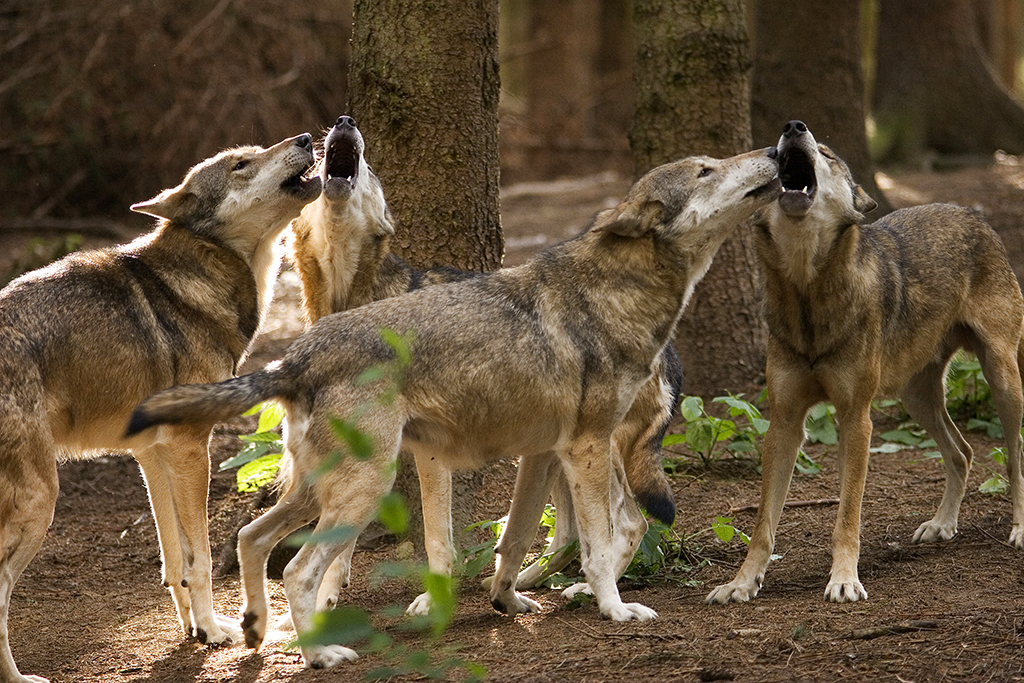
697, 201
816, 183
241, 195
351, 190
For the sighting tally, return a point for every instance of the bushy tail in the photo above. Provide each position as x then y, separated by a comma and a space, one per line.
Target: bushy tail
199, 403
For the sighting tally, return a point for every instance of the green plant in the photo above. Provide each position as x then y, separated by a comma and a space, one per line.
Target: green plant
704, 431
967, 392
998, 483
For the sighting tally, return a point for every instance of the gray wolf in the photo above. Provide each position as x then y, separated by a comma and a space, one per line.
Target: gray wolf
341, 249
544, 359
84, 339
857, 311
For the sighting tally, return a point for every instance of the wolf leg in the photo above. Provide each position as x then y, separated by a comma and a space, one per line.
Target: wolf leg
28, 493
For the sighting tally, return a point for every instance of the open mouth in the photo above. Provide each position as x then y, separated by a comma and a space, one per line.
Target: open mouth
799, 184
300, 185
341, 160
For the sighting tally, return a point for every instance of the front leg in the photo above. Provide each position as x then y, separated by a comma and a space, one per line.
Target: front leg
791, 395
436, 496
844, 584
532, 483
588, 468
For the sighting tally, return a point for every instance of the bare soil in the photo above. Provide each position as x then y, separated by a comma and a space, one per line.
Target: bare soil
90, 607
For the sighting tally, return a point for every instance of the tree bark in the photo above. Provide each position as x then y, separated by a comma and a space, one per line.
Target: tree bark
934, 88
424, 91
808, 66
692, 88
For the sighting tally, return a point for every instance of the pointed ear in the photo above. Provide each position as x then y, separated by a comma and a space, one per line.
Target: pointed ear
861, 201
631, 219
387, 226
170, 204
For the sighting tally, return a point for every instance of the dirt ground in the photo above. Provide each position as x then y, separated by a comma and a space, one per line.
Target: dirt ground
90, 607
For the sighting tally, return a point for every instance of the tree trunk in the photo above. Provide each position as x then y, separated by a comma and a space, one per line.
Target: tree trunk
424, 91
691, 82
808, 66
934, 88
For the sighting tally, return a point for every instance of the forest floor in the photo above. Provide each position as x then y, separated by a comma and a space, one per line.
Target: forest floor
90, 607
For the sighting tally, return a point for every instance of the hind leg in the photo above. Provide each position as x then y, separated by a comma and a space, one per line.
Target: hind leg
28, 493
336, 579
295, 508
999, 361
925, 400
561, 549
177, 467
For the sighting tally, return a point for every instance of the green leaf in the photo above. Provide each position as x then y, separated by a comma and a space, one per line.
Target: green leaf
271, 416
360, 444
888, 447
370, 375
478, 561
999, 455
335, 534
260, 437
724, 529
700, 436
248, 453
393, 513
994, 485
928, 443
340, 626
441, 589
823, 431
901, 436
760, 425
260, 472
691, 408
673, 439
806, 465
724, 429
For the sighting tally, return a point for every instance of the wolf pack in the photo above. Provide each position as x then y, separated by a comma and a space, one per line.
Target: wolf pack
565, 363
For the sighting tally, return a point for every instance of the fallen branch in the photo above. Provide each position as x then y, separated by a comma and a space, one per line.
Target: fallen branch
879, 631
821, 502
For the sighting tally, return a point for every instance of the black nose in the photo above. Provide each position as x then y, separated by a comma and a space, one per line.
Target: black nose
305, 141
345, 122
794, 128
773, 152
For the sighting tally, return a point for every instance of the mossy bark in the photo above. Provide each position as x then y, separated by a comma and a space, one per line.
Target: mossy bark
692, 89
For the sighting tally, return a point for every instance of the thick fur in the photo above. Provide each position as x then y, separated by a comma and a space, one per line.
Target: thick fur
341, 248
544, 359
857, 311
83, 340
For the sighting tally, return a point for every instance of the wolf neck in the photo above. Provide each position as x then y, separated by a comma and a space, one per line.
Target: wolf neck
350, 249
803, 247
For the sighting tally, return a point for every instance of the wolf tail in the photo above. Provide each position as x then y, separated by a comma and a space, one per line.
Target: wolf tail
199, 403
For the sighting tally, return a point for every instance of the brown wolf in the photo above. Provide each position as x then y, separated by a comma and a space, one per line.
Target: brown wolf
341, 250
857, 311
84, 339
543, 359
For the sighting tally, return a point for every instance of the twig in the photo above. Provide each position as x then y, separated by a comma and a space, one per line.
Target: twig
878, 631
821, 502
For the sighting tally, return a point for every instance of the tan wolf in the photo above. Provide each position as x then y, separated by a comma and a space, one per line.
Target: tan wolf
543, 359
84, 339
341, 248
857, 311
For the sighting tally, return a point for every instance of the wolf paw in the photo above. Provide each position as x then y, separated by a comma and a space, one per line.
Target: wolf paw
933, 532
329, 655
734, 591
577, 588
1017, 536
516, 604
629, 611
845, 591
420, 607
254, 627
224, 632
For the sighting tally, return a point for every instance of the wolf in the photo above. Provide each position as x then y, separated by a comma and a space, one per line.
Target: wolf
857, 311
86, 338
544, 359
341, 249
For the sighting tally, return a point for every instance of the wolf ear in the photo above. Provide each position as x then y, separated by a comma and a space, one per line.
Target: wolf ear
387, 226
861, 201
631, 220
170, 204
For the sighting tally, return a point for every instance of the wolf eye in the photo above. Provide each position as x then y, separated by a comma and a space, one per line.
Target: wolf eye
240, 165
704, 172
